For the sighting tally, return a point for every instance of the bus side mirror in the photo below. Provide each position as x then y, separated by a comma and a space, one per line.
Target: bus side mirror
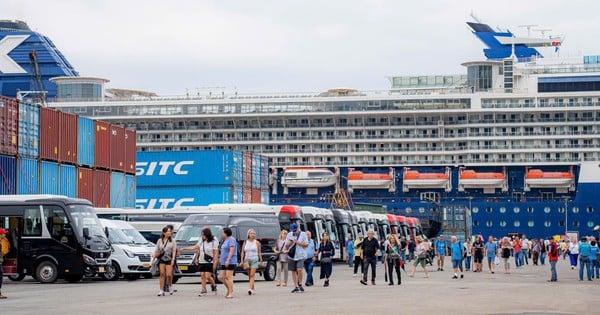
106, 231
86, 233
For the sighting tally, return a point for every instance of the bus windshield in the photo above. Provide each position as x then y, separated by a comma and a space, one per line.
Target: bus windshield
116, 236
85, 217
135, 236
330, 229
191, 233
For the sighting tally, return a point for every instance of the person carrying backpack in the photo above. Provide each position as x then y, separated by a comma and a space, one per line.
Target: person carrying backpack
553, 258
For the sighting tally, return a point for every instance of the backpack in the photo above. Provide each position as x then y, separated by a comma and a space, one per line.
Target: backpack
5, 246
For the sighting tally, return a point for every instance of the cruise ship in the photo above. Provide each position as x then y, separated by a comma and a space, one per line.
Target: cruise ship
512, 145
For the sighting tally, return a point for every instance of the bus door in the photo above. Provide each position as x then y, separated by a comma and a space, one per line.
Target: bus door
11, 224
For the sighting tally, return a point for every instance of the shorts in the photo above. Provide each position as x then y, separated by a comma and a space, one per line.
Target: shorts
230, 267
162, 262
478, 258
205, 267
421, 261
491, 259
252, 262
294, 265
456, 263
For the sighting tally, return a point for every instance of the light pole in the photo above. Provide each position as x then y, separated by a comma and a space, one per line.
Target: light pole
566, 215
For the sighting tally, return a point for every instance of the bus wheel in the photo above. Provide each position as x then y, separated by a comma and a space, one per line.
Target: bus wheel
17, 277
46, 272
111, 272
270, 271
73, 279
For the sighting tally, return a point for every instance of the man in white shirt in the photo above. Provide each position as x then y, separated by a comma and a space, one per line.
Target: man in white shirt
526, 244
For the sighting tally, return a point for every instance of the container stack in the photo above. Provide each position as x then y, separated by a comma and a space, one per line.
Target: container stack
44, 151
170, 179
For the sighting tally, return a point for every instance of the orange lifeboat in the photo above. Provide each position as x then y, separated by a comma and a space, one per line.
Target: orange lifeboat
473, 179
360, 180
540, 179
415, 179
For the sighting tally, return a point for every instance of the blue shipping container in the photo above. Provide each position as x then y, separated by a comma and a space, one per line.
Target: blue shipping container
49, 178
27, 177
68, 181
264, 172
173, 196
29, 130
118, 190
85, 142
131, 191
8, 176
189, 168
264, 197
256, 171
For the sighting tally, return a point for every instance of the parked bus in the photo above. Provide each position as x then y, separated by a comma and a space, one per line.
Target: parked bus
52, 237
403, 226
314, 219
343, 222
394, 226
331, 229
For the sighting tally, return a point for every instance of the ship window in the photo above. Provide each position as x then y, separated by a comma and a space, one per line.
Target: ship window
590, 209
475, 223
530, 223
547, 224
547, 210
475, 210
488, 223
561, 223
502, 223
502, 209
575, 209
517, 210
561, 210
529, 209
590, 224
575, 223
517, 223
408, 210
422, 210
488, 209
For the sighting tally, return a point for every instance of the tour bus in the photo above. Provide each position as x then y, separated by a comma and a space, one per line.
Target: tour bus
394, 226
383, 225
267, 229
314, 219
52, 237
343, 222
356, 227
403, 225
367, 222
331, 229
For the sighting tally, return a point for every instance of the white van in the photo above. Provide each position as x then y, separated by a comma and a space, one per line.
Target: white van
132, 255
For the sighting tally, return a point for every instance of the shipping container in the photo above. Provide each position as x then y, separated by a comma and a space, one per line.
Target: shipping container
102, 144
101, 189
8, 176
265, 172
67, 149
256, 196
49, 178
189, 168
173, 196
9, 125
247, 195
130, 191
265, 197
28, 177
85, 142
256, 171
117, 148
247, 176
85, 183
130, 151
68, 181
49, 134
29, 130
118, 190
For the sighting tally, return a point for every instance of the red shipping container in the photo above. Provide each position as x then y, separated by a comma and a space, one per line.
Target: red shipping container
247, 195
101, 189
67, 150
256, 196
117, 148
247, 179
130, 150
9, 125
49, 134
85, 183
102, 145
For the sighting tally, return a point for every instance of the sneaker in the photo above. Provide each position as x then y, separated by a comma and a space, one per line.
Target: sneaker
391, 283
301, 289
373, 282
354, 275
249, 292
455, 277
213, 288
161, 293
462, 276
363, 281
171, 291
441, 269
202, 293
296, 290
326, 283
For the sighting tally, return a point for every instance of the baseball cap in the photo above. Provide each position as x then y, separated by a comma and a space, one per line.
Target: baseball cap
294, 227
3, 231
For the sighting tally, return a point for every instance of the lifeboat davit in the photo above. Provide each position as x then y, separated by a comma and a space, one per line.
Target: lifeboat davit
415, 179
536, 178
489, 181
307, 178
361, 180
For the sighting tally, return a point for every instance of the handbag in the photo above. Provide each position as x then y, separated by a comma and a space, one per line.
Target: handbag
154, 269
326, 260
207, 258
292, 251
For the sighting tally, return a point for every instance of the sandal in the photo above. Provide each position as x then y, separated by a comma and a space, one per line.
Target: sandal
229, 297
278, 284
2, 297
284, 284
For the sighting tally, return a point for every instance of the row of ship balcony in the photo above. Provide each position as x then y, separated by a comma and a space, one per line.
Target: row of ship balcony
349, 162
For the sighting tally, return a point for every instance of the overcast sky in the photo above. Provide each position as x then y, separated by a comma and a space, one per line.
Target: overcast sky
285, 46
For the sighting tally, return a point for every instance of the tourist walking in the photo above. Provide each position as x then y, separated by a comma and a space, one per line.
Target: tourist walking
393, 259
543, 251
358, 261
228, 260
468, 255
525, 250
422, 255
535, 251
518, 251
441, 250
370, 246
206, 258
553, 258
296, 244
251, 258
309, 262
478, 251
403, 247
573, 253
3, 250
350, 251
585, 250
164, 252
457, 255
564, 249
282, 259
594, 259
506, 248
411, 250
327, 251
491, 250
